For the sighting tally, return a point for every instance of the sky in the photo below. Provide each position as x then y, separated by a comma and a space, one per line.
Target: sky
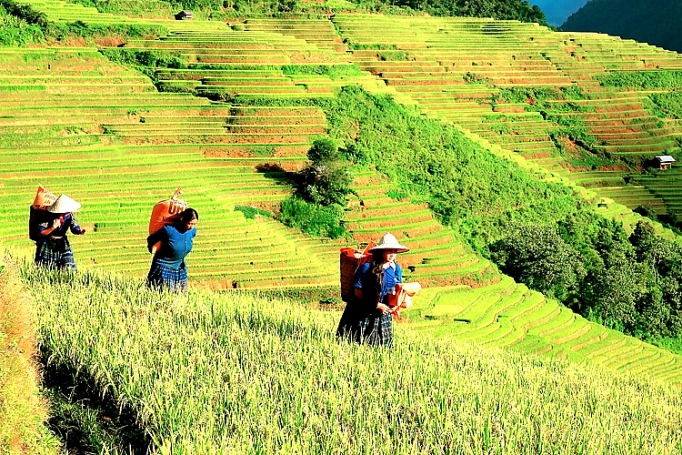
557, 11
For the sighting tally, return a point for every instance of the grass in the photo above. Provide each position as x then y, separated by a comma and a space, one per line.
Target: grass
228, 363
23, 410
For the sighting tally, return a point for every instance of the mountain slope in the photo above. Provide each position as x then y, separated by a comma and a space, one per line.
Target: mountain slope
651, 21
557, 11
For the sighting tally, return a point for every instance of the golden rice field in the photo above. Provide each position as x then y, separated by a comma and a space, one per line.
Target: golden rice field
210, 372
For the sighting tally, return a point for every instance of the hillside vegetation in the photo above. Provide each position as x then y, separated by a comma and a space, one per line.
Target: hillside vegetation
272, 91
520, 10
459, 133
206, 373
23, 410
648, 21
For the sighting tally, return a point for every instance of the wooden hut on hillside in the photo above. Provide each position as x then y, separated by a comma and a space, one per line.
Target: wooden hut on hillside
184, 15
665, 162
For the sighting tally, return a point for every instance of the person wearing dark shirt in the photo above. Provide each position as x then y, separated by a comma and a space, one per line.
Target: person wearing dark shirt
168, 270
367, 318
53, 249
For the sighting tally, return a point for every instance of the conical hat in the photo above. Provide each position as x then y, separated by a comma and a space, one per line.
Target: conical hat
389, 242
64, 204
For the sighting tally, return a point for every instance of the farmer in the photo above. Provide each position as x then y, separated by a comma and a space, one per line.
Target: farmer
52, 246
168, 270
367, 317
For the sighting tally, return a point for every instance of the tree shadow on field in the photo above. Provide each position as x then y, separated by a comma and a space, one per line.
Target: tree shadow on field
277, 172
86, 418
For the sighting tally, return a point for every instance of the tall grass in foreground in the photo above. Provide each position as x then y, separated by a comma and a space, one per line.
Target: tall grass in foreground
229, 373
22, 411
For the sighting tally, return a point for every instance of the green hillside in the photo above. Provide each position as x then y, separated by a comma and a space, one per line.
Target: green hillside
218, 9
651, 21
456, 129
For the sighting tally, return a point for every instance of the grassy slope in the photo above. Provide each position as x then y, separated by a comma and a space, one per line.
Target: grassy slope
231, 373
566, 339
22, 411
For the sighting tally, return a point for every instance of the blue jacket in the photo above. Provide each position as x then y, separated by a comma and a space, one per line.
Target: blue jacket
390, 279
175, 245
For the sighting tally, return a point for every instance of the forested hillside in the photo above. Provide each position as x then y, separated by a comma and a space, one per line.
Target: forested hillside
650, 21
499, 9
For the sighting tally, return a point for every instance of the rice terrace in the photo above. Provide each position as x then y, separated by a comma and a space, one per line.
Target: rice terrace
533, 173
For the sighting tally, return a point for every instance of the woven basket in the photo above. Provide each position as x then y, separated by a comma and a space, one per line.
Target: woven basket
349, 260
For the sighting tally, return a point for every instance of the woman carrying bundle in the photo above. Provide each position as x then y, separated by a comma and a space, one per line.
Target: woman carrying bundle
367, 318
53, 249
168, 270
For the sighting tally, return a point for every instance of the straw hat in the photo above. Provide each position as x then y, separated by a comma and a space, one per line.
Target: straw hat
64, 204
389, 242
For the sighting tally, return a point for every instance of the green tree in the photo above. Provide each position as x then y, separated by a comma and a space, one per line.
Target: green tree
538, 257
327, 179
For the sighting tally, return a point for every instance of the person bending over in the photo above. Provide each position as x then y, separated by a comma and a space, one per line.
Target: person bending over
168, 270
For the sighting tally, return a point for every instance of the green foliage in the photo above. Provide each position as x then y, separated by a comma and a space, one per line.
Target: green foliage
497, 9
21, 25
324, 151
333, 71
61, 31
466, 185
251, 212
643, 80
531, 96
129, 7
538, 257
326, 180
667, 105
24, 12
312, 218
588, 263
15, 31
354, 154
218, 9
147, 61
153, 58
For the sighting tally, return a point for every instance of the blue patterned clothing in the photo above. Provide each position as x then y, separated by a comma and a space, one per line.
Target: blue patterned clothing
361, 321
55, 253
55, 250
175, 245
168, 270
162, 277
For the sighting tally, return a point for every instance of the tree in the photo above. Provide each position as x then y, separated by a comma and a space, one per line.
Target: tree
326, 180
538, 257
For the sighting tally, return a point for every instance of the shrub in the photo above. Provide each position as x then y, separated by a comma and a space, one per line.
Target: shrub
326, 180
251, 212
312, 218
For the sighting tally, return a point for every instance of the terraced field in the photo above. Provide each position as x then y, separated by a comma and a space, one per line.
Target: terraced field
76, 123
455, 68
105, 136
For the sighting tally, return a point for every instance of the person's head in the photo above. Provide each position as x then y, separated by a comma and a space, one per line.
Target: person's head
387, 249
188, 219
389, 255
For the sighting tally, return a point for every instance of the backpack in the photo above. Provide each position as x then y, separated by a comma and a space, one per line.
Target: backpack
35, 218
349, 261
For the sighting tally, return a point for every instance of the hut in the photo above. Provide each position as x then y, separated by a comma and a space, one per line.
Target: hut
665, 162
184, 15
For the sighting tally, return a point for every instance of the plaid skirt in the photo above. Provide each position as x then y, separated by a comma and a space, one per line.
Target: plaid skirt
55, 253
164, 278
374, 328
